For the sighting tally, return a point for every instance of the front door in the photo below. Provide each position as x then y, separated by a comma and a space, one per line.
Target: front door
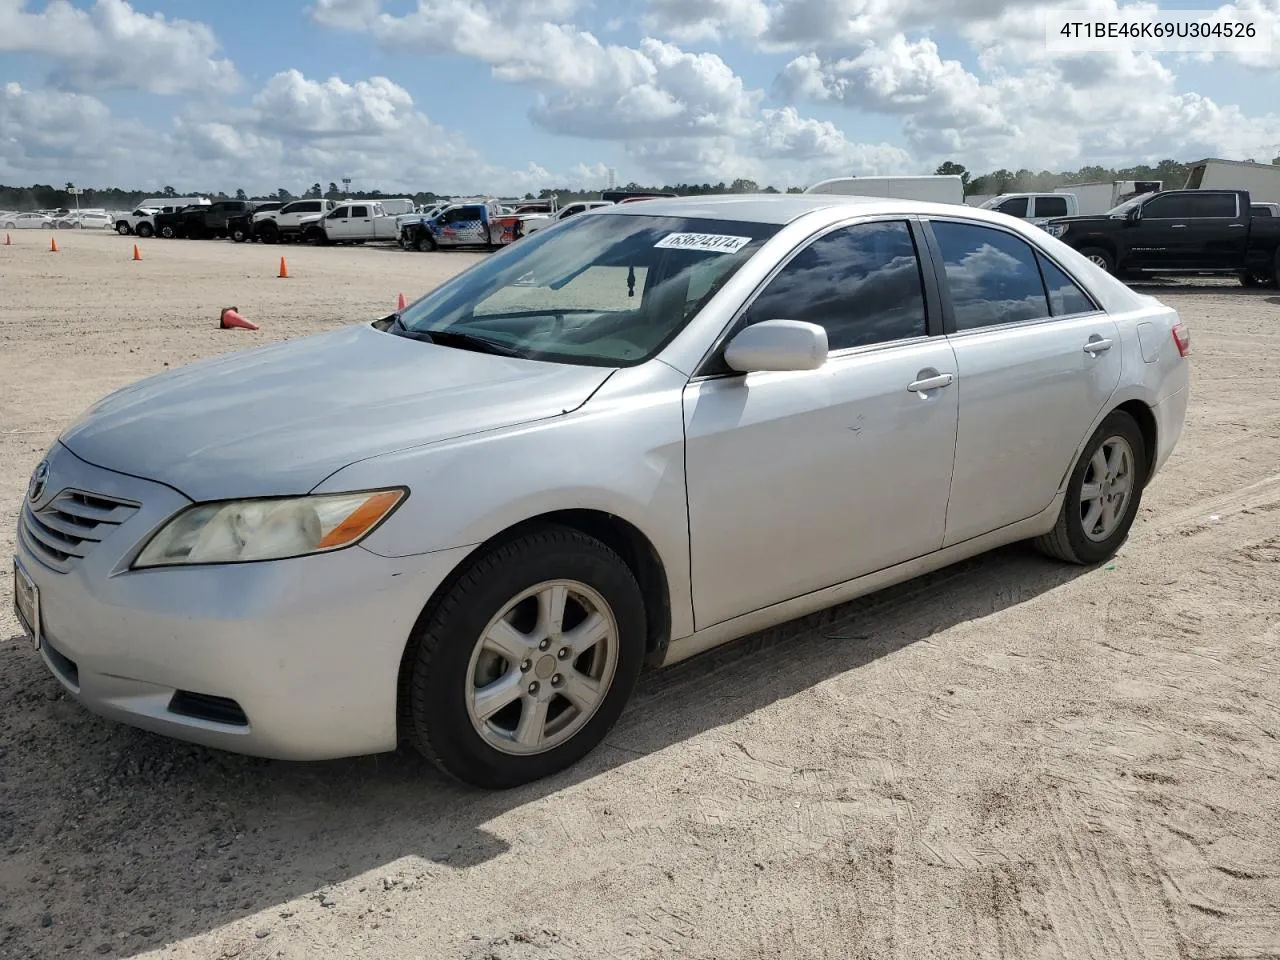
802, 480
1189, 230
1036, 361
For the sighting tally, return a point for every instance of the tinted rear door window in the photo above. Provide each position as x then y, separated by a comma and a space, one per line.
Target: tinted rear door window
1051, 206
862, 283
992, 276
1065, 298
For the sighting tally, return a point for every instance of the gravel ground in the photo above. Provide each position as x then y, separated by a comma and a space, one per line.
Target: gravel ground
1009, 758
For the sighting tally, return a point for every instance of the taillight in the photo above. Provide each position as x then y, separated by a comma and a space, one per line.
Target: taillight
1182, 337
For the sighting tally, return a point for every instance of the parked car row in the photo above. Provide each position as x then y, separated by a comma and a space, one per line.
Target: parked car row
57, 220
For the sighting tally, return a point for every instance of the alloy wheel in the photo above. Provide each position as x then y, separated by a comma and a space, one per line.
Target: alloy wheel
542, 667
1106, 488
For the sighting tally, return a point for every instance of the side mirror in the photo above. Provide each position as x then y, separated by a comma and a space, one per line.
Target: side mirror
777, 345
1134, 215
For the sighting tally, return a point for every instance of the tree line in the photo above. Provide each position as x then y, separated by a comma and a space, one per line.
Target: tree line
1171, 173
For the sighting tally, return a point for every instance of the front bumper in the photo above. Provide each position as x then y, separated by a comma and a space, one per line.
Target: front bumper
308, 650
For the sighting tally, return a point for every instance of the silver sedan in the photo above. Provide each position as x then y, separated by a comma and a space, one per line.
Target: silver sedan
630, 437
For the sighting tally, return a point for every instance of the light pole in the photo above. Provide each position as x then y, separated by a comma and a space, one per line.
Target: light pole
346, 187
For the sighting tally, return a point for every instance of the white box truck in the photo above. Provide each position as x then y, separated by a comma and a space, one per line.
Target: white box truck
1262, 180
1095, 199
934, 189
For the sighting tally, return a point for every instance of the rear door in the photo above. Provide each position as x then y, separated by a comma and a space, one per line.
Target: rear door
1036, 362
1190, 230
359, 222
1049, 205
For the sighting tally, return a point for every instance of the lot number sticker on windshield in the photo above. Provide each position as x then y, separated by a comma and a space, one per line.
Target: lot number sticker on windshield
710, 242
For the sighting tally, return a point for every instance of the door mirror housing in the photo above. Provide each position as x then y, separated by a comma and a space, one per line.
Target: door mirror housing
1134, 215
777, 345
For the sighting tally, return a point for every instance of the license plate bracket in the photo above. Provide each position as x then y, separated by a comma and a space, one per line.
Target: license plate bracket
26, 603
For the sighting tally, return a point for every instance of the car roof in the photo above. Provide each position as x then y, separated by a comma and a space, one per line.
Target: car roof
781, 209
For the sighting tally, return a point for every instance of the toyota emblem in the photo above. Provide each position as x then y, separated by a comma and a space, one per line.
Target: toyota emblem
35, 489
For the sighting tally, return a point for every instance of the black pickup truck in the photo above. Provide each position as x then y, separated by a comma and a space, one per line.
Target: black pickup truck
1179, 231
203, 220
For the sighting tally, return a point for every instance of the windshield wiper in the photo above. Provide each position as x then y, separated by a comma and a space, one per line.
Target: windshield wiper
454, 338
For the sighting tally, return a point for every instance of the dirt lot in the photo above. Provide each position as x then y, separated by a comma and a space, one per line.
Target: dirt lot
1007, 759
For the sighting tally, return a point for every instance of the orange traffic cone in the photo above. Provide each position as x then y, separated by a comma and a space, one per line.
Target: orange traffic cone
137, 254
284, 269
7, 242
401, 305
231, 320
53, 244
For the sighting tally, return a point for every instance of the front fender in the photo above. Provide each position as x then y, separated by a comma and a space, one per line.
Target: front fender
621, 453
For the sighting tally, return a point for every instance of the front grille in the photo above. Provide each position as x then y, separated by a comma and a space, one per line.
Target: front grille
67, 528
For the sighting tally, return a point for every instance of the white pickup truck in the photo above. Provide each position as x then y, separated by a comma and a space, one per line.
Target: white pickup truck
1036, 207
536, 223
284, 224
351, 222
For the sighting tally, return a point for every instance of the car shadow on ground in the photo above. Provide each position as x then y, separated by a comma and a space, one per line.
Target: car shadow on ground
167, 840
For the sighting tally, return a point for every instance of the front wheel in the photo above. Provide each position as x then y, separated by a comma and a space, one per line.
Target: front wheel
1099, 257
239, 234
122, 228
522, 667
145, 230
1103, 494
168, 232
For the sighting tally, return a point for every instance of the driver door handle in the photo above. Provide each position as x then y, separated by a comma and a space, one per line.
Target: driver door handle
1096, 347
930, 383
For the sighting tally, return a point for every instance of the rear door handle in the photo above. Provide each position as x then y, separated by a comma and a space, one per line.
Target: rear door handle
931, 383
1177, 226
1095, 347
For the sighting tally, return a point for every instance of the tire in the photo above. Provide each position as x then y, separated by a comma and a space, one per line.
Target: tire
11, 226
145, 230
424, 243
269, 234
1100, 257
168, 232
239, 235
447, 653
1069, 541
123, 229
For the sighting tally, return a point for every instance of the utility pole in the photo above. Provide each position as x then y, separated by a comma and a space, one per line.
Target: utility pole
346, 187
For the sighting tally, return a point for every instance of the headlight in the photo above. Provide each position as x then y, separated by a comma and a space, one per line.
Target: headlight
1056, 229
241, 530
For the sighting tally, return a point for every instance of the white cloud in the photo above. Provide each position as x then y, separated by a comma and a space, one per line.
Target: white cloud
111, 45
690, 20
296, 131
680, 114
1053, 114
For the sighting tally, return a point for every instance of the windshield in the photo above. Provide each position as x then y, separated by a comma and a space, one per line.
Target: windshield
608, 290
1128, 205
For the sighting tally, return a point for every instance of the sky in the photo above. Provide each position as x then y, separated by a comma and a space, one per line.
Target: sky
511, 96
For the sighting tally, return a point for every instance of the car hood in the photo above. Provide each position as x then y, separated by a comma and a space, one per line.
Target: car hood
278, 420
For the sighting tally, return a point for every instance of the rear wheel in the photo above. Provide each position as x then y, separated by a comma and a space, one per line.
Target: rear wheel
1099, 257
168, 232
527, 660
1103, 494
145, 230
239, 234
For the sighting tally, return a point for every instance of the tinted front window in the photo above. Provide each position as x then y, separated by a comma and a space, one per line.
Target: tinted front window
1065, 297
1176, 207
1017, 207
1051, 206
608, 290
862, 283
992, 276
359, 211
